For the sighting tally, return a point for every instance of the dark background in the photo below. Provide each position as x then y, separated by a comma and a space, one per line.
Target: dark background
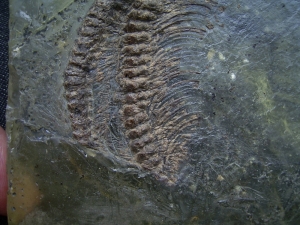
4, 34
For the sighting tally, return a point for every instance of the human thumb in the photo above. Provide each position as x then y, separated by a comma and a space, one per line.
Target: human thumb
3, 175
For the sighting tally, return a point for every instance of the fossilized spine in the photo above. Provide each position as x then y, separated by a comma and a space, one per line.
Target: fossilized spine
124, 48
144, 82
78, 78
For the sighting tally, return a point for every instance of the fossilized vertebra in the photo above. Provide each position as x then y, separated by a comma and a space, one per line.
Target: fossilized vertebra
125, 89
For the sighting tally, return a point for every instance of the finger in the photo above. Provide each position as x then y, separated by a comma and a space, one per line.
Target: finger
3, 176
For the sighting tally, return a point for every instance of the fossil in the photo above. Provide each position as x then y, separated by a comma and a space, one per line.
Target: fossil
181, 112
126, 90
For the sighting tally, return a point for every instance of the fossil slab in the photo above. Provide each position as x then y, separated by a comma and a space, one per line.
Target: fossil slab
154, 112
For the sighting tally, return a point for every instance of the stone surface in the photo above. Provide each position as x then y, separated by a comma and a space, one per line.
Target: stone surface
154, 112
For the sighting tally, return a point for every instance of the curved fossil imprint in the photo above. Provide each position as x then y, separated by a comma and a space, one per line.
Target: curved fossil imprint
127, 92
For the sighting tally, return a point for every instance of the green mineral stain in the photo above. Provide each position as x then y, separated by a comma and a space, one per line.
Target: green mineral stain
264, 91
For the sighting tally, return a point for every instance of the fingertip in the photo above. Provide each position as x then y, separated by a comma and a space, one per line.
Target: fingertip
3, 175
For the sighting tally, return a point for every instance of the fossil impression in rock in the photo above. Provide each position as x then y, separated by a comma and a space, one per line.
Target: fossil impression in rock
126, 88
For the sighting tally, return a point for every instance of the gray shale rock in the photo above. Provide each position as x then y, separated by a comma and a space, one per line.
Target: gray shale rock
154, 112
